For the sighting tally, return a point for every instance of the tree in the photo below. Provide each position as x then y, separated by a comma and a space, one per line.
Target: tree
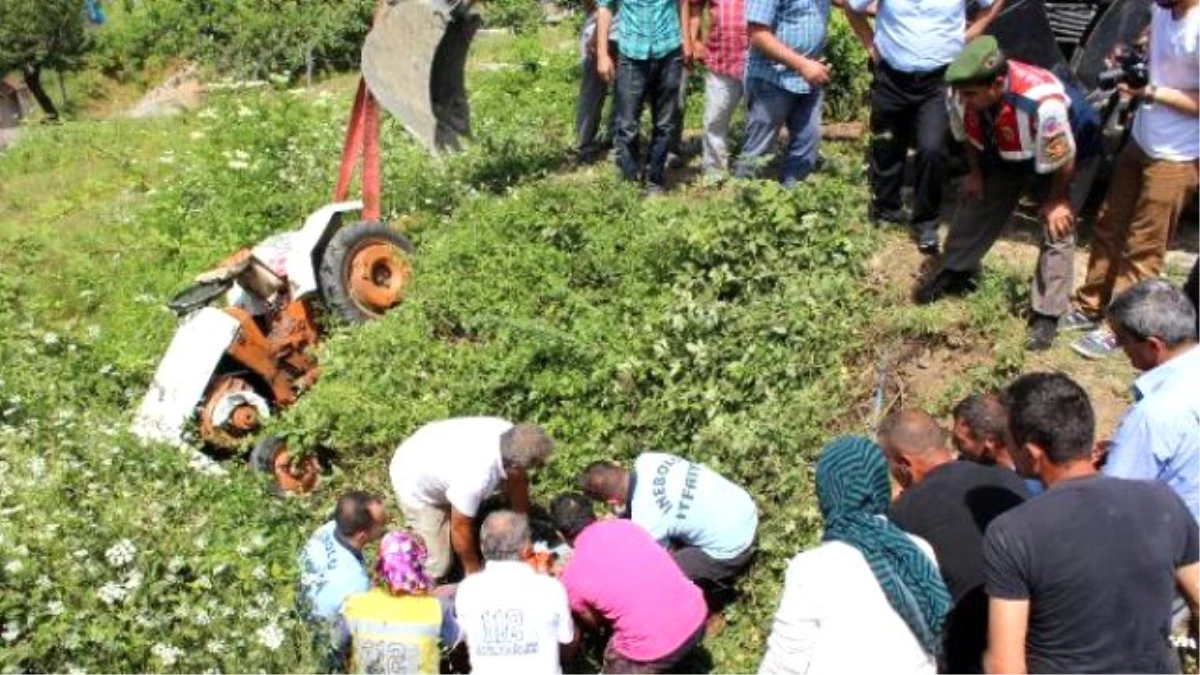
38, 34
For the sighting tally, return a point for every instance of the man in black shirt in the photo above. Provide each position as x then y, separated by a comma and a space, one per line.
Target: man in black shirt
949, 504
1081, 578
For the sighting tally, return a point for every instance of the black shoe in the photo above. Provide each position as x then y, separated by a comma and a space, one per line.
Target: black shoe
897, 217
947, 282
929, 247
1042, 330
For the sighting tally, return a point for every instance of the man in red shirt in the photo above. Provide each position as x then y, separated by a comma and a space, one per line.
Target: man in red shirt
1022, 127
722, 50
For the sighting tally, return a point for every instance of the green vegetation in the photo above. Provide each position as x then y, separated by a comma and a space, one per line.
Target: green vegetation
729, 325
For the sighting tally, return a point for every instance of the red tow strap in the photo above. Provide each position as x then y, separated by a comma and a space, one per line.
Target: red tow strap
362, 138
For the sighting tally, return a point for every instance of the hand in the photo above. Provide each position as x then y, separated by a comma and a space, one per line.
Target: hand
699, 53
687, 53
1060, 219
1100, 453
814, 72
604, 66
972, 187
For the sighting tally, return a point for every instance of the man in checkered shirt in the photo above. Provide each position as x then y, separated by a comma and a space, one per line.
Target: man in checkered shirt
723, 53
784, 76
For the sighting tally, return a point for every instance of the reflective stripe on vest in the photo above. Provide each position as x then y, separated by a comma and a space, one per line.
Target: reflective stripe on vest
393, 634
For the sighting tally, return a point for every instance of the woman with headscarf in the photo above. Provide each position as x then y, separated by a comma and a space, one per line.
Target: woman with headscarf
395, 627
869, 598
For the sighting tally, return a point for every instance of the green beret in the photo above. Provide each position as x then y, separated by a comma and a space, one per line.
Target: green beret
979, 61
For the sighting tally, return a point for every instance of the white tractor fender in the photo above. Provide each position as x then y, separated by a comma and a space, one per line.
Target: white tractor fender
301, 268
183, 375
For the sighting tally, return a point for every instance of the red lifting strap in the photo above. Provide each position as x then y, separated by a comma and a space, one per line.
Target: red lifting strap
362, 137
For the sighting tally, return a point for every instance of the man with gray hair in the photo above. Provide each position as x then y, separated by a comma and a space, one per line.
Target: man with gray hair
515, 620
443, 471
1159, 437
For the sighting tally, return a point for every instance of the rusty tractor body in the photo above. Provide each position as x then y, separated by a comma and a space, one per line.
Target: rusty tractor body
231, 367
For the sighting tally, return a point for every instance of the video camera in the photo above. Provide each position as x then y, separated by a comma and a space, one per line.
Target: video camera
1130, 68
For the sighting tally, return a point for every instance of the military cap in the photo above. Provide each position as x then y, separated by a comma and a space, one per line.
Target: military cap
980, 61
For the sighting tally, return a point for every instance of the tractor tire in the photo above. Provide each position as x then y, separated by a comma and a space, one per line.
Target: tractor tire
364, 271
262, 457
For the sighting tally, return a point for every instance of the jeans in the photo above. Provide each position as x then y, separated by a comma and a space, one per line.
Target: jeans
640, 80
909, 109
771, 107
590, 108
722, 94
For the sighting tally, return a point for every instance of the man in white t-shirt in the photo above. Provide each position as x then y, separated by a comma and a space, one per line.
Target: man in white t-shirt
707, 521
514, 619
1155, 177
445, 470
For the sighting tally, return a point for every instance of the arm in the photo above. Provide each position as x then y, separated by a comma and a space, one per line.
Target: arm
604, 64
462, 538
1188, 579
980, 25
693, 15
1185, 101
856, 16
762, 39
1008, 622
518, 491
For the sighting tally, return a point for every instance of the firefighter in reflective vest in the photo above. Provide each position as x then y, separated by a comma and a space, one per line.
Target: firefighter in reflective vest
1023, 127
396, 626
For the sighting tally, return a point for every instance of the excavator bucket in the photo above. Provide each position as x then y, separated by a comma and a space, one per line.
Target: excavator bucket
414, 60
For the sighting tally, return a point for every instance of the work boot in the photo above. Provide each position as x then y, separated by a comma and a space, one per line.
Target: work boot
1042, 330
947, 282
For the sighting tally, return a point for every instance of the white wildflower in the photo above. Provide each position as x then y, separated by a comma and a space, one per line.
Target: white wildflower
207, 114
54, 608
121, 553
50, 338
166, 653
270, 636
201, 618
92, 332
238, 165
43, 582
11, 632
167, 157
14, 566
134, 581
215, 646
73, 669
176, 563
243, 111
243, 550
107, 369
111, 593
37, 467
259, 573
80, 554
196, 135
263, 600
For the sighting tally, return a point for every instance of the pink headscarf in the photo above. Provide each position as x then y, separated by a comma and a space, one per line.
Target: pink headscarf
401, 563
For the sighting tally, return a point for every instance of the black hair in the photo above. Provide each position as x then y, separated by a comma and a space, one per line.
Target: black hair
1053, 412
571, 512
353, 513
985, 416
600, 480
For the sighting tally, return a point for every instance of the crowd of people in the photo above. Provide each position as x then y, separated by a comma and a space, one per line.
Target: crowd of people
1014, 542
1025, 130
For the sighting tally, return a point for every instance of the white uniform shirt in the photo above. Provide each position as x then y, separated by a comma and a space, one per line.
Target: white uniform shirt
1161, 131
514, 619
452, 462
834, 618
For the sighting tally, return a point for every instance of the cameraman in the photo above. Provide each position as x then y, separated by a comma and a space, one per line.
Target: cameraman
1155, 177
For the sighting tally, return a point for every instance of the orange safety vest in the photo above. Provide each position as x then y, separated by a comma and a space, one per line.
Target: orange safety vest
1014, 132
392, 634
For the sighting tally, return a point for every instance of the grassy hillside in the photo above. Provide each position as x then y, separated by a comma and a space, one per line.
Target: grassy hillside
737, 326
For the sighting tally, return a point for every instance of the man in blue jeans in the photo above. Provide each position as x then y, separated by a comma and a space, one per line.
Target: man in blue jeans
784, 76
649, 66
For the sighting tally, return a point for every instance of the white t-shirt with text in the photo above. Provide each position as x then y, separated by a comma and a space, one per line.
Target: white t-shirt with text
514, 619
1162, 131
453, 462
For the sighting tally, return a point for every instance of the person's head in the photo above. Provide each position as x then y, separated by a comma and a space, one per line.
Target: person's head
505, 535
360, 518
1051, 423
914, 445
852, 477
571, 513
978, 75
1152, 320
606, 482
525, 447
981, 428
400, 567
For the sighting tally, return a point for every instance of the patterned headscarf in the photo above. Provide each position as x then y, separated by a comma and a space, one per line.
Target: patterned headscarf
401, 563
853, 491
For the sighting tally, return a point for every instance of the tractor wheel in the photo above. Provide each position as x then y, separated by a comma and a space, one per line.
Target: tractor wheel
242, 422
270, 455
364, 271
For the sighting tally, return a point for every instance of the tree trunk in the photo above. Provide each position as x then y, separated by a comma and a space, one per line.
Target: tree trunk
33, 80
